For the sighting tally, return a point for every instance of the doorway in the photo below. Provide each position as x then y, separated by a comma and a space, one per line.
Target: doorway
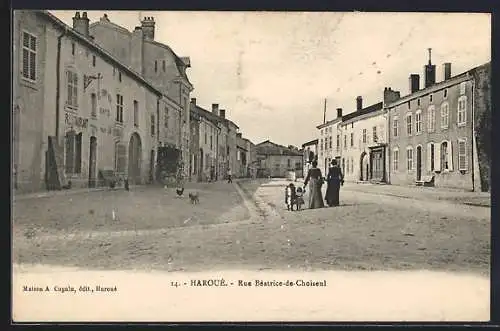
92, 162
419, 163
151, 166
134, 159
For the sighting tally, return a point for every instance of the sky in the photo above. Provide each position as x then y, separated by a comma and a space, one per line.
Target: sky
273, 71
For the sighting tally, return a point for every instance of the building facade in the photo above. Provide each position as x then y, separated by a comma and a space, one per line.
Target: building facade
161, 66
329, 143
432, 134
277, 160
77, 109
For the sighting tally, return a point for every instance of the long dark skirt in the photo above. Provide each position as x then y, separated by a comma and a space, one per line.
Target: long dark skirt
315, 196
333, 193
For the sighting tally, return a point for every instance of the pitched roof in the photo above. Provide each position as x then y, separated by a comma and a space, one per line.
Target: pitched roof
92, 44
275, 149
364, 111
310, 143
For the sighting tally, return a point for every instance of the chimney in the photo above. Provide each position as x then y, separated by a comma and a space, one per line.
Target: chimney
215, 109
430, 72
390, 95
414, 83
81, 24
148, 27
339, 112
222, 113
104, 18
447, 71
193, 101
359, 103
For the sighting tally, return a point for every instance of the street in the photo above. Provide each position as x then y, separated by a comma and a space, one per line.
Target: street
156, 229
245, 227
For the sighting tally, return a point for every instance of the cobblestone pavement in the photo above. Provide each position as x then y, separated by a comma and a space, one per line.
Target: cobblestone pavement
157, 230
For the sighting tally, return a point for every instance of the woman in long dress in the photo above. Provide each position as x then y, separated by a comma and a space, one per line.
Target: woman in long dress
334, 180
315, 180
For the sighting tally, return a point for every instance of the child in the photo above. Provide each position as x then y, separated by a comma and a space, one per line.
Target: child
299, 198
290, 196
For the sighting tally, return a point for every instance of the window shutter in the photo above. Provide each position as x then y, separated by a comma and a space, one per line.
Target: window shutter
121, 157
466, 165
450, 156
78, 153
429, 156
437, 157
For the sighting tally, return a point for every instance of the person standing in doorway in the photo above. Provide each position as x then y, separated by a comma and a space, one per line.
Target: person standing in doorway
229, 176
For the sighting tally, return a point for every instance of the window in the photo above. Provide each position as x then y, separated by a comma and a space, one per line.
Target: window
445, 113
119, 108
321, 131
163, 66
73, 49
93, 105
462, 155
156, 66
462, 88
347, 165
206, 135
364, 135
408, 124
136, 113
345, 141
120, 77
395, 159
431, 119
444, 155
72, 88
114, 71
395, 126
326, 144
152, 125
343, 165
352, 139
375, 137
418, 102
409, 158
73, 153
166, 117
93, 60
431, 157
352, 125
445, 93
462, 110
211, 142
418, 121
29, 56
331, 141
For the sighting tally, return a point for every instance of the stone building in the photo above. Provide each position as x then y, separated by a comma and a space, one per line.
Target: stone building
165, 70
329, 142
310, 154
432, 133
276, 160
78, 110
242, 157
194, 145
208, 141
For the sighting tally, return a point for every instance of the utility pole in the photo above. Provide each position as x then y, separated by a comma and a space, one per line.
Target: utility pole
324, 113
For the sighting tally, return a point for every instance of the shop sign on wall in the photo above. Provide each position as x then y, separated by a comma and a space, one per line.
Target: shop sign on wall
77, 121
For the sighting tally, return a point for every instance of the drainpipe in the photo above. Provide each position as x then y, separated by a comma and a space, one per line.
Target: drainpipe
58, 80
473, 135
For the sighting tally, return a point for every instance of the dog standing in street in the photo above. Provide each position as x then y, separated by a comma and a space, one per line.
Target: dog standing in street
193, 197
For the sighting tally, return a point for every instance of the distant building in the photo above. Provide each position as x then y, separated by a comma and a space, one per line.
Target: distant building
277, 160
434, 131
329, 142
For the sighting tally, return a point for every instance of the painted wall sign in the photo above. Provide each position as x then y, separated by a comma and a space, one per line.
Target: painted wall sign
78, 121
104, 111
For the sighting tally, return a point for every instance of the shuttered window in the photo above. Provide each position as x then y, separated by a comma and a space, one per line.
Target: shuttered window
462, 110
408, 124
446, 156
395, 127
395, 160
29, 56
445, 115
462, 155
431, 156
418, 122
409, 158
72, 88
431, 119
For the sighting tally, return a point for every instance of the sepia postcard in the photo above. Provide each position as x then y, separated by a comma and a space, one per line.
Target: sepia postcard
176, 166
